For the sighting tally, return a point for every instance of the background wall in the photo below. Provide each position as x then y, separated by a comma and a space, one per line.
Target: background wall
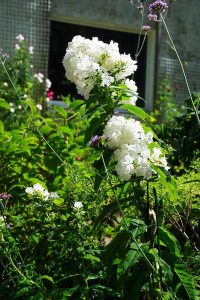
183, 22
31, 18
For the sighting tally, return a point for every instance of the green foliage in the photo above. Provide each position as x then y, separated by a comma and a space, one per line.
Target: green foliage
101, 237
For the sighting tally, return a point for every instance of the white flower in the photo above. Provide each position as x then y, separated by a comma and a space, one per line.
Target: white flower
86, 60
158, 159
48, 84
39, 77
12, 110
20, 38
29, 190
17, 47
131, 147
11, 104
38, 191
53, 195
19, 107
78, 205
39, 106
5, 84
30, 49
132, 91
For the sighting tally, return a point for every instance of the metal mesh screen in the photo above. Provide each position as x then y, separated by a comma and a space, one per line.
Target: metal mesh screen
170, 69
31, 18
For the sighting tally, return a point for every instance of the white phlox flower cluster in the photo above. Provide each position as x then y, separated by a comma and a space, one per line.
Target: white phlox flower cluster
132, 91
39, 77
78, 205
131, 147
20, 39
86, 60
37, 191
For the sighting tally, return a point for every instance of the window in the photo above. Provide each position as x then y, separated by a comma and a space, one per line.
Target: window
62, 33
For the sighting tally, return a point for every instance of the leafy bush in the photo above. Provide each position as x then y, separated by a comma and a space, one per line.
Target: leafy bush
71, 228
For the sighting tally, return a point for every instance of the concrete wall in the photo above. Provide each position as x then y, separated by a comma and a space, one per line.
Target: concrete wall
113, 14
183, 23
182, 20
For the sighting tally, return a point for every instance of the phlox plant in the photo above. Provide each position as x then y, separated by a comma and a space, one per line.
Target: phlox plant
90, 225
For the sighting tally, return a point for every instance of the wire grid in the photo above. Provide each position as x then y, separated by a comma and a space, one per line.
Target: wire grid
31, 18
170, 69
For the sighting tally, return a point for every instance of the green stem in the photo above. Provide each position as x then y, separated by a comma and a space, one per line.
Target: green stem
183, 71
158, 233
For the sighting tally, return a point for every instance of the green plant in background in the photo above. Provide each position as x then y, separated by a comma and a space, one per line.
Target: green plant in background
165, 110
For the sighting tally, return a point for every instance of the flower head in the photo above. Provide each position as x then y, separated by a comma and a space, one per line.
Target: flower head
95, 141
30, 49
131, 147
90, 61
146, 28
158, 6
39, 192
5, 196
78, 205
20, 38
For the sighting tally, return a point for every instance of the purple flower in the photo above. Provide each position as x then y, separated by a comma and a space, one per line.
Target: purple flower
146, 28
152, 17
158, 6
5, 196
95, 141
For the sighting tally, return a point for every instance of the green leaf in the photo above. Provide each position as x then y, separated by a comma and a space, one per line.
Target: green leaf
136, 111
22, 292
170, 241
58, 202
1, 127
4, 104
93, 127
47, 278
46, 129
186, 278
163, 264
62, 112
135, 282
116, 246
167, 181
92, 257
